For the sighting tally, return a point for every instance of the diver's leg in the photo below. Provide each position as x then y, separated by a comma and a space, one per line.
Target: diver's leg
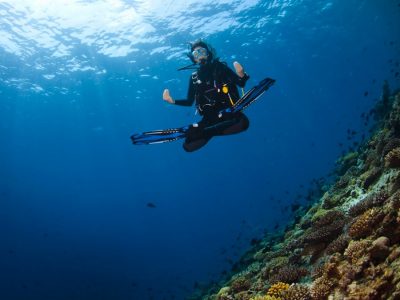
195, 145
229, 124
196, 138
241, 124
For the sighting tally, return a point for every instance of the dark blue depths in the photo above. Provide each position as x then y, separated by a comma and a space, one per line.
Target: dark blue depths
86, 215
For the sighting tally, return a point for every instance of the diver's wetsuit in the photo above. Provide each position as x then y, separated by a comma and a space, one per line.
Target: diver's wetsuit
213, 87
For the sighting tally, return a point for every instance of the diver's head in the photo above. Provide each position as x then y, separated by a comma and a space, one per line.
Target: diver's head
201, 53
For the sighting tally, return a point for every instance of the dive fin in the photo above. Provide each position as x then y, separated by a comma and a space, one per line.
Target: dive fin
159, 136
252, 95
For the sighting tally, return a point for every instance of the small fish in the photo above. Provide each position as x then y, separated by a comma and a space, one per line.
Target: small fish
365, 94
151, 205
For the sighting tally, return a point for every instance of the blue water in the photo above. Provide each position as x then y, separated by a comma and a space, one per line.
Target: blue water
77, 78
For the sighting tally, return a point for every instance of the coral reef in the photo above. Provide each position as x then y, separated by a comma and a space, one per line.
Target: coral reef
392, 159
288, 274
338, 245
277, 289
372, 200
364, 224
240, 284
321, 288
297, 292
347, 244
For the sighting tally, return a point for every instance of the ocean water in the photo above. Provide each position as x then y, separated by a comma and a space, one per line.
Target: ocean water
77, 78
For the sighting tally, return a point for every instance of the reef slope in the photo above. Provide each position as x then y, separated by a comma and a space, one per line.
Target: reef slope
347, 244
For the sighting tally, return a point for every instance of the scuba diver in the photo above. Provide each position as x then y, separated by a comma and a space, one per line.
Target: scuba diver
213, 87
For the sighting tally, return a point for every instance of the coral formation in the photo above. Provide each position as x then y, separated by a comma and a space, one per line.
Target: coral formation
297, 292
277, 289
391, 145
347, 244
372, 200
364, 224
321, 288
240, 284
288, 274
338, 245
326, 227
392, 159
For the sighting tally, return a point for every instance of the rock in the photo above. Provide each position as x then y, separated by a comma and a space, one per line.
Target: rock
380, 248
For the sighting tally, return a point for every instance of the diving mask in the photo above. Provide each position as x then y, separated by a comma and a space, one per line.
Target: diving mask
200, 54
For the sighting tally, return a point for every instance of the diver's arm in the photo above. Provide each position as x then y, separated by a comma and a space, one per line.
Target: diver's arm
190, 96
240, 77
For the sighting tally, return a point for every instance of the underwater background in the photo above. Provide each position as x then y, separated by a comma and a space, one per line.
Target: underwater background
84, 214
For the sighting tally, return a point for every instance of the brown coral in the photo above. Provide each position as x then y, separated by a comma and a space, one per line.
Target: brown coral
390, 145
297, 292
240, 284
328, 218
394, 118
380, 248
361, 292
389, 227
364, 224
325, 228
371, 176
357, 253
338, 245
321, 288
368, 202
325, 233
289, 274
392, 159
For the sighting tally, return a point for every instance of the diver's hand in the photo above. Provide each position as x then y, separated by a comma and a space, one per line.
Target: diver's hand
167, 97
239, 69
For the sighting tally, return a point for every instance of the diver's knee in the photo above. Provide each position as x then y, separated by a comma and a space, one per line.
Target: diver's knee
187, 148
195, 145
246, 123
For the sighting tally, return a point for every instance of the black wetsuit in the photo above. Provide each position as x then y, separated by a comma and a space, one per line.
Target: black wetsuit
213, 87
